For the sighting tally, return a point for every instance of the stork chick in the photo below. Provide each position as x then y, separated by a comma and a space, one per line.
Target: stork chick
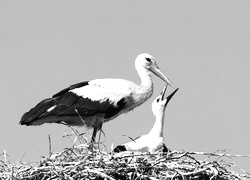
153, 141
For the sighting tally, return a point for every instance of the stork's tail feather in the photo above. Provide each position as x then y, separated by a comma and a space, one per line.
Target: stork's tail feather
29, 118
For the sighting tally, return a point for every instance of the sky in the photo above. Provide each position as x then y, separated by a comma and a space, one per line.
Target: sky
202, 46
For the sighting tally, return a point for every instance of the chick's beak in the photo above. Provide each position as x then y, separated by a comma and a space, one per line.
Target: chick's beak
163, 92
171, 95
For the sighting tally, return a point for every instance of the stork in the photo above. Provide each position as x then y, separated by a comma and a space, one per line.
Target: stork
91, 103
153, 141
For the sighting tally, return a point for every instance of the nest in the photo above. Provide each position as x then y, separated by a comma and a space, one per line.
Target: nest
85, 162
88, 161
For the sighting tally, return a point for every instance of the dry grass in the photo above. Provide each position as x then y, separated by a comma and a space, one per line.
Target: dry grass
83, 162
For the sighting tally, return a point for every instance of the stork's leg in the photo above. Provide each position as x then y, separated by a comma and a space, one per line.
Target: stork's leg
97, 126
94, 134
100, 129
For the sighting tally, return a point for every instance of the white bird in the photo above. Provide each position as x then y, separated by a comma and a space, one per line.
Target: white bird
153, 141
91, 103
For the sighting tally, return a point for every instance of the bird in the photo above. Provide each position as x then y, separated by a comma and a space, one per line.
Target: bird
91, 103
153, 141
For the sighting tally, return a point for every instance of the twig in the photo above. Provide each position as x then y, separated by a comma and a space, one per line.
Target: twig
80, 117
5, 156
215, 154
50, 151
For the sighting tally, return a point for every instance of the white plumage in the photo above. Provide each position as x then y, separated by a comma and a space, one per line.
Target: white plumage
153, 141
103, 89
91, 103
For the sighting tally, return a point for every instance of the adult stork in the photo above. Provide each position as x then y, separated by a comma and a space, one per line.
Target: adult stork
91, 103
153, 141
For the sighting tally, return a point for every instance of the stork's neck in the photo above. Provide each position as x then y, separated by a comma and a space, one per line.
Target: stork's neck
146, 79
145, 89
157, 129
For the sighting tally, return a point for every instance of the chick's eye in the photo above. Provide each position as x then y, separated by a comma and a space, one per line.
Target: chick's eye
148, 59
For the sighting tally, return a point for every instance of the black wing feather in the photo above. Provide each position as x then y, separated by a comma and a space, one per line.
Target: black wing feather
69, 104
78, 85
37, 111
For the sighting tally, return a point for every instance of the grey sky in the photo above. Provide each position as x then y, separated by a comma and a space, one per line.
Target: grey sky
202, 46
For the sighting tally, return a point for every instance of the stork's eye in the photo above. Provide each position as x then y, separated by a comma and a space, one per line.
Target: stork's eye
148, 59
158, 99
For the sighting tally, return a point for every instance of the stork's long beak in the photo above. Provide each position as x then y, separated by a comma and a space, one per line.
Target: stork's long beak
156, 70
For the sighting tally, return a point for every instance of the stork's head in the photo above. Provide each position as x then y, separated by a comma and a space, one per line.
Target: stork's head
160, 103
148, 62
